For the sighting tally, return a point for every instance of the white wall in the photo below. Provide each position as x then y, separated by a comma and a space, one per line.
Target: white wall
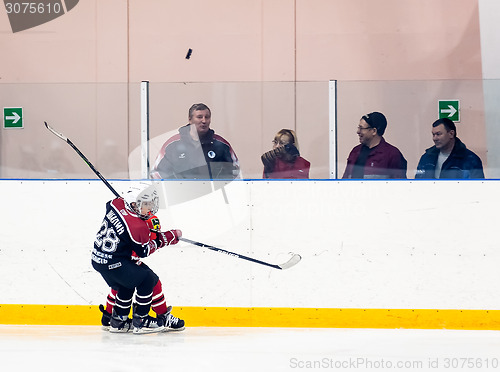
490, 58
365, 244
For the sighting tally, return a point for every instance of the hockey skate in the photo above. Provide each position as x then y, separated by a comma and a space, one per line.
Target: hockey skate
147, 324
170, 322
120, 323
106, 318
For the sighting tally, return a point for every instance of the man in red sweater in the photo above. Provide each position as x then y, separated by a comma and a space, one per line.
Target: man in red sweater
374, 158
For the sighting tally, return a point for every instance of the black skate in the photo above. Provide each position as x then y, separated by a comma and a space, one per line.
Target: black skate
106, 318
120, 324
146, 324
170, 322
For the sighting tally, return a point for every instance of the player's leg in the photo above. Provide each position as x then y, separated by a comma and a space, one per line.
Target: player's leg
111, 299
158, 304
120, 322
124, 279
142, 322
163, 312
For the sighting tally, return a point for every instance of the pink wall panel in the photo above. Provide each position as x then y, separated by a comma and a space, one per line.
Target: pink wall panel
387, 40
247, 40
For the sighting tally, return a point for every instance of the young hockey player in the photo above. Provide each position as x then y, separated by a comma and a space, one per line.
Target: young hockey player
124, 230
158, 304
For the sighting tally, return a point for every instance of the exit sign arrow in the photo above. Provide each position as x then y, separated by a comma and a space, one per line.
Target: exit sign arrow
13, 117
449, 109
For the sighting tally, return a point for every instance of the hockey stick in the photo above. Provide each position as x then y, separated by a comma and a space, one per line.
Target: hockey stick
64, 138
291, 262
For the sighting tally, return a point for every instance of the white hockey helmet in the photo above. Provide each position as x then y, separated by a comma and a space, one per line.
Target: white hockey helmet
140, 197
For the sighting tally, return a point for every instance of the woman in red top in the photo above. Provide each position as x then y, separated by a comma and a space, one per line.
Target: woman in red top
284, 160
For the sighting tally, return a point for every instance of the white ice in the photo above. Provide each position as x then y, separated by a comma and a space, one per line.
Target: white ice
88, 348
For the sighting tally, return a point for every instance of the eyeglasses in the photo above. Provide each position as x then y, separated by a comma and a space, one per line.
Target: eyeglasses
361, 128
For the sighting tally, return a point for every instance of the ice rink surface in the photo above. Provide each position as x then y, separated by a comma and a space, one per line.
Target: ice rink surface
88, 348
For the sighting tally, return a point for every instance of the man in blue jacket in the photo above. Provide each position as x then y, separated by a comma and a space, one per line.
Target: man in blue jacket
449, 157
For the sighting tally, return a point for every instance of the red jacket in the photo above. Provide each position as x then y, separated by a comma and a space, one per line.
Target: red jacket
298, 169
384, 161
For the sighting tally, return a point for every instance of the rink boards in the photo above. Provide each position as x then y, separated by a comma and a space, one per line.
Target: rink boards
271, 317
375, 254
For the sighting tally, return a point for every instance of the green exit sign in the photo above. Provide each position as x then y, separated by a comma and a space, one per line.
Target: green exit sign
13, 117
450, 109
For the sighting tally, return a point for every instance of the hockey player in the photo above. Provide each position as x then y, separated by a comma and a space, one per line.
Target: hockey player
158, 304
124, 230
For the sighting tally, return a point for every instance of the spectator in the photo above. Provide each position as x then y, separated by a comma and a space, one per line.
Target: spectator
196, 152
374, 157
449, 157
284, 160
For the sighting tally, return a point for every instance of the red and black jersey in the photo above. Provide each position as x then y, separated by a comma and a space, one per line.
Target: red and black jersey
121, 233
153, 224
